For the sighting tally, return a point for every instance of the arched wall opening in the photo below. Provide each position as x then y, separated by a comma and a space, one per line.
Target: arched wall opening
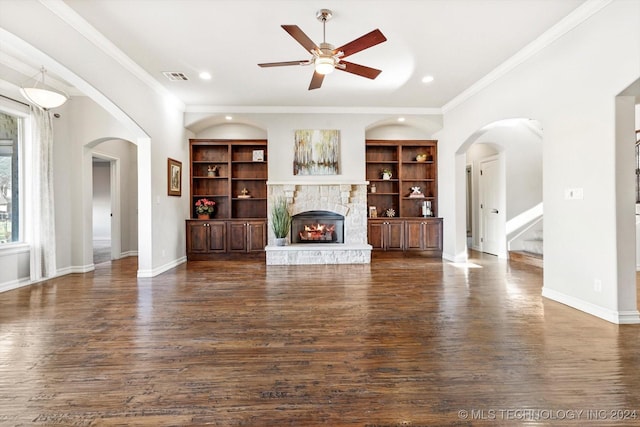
515, 145
227, 127
405, 127
115, 200
122, 156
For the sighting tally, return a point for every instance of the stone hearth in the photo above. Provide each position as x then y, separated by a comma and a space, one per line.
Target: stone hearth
349, 200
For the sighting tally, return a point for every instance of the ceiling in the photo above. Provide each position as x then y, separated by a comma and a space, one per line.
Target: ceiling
455, 41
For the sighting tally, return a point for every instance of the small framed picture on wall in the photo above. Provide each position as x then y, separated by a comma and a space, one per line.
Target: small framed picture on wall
174, 177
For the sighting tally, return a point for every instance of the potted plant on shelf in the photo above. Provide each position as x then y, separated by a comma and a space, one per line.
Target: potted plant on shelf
205, 208
386, 173
280, 220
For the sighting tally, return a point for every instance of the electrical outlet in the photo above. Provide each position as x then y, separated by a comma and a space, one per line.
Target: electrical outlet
597, 285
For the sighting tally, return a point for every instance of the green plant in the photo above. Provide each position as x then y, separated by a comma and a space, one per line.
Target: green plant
205, 206
386, 171
280, 218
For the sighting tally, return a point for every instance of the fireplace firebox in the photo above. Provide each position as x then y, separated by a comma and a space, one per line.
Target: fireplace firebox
317, 227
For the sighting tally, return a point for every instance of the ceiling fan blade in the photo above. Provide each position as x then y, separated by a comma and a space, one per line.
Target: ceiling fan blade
370, 39
282, 64
300, 37
360, 70
316, 81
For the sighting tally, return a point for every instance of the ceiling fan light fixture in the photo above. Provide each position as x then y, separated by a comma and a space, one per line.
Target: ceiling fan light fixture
324, 64
42, 97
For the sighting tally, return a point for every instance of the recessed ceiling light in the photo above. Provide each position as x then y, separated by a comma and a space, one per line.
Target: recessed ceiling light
427, 79
228, 118
205, 76
401, 119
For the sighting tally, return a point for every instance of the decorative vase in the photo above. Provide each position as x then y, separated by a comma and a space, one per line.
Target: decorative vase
386, 176
281, 241
203, 216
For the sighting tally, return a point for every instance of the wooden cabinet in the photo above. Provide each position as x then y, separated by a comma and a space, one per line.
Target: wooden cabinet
386, 235
205, 238
397, 234
247, 236
424, 235
399, 223
233, 173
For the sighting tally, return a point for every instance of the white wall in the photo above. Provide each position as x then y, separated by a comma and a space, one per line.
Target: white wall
232, 131
570, 87
153, 116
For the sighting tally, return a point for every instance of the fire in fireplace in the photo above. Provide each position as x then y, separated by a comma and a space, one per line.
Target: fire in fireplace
317, 227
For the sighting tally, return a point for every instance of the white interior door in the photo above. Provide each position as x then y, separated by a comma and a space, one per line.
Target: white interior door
490, 206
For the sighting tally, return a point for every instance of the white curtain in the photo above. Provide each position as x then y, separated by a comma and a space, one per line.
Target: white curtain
40, 209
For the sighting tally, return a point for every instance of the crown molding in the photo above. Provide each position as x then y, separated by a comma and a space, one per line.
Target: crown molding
575, 18
75, 21
222, 109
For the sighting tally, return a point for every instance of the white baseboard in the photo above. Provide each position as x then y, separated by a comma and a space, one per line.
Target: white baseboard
462, 257
159, 270
617, 317
14, 284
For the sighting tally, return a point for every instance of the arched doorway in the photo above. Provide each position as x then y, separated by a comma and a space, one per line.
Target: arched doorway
112, 191
513, 202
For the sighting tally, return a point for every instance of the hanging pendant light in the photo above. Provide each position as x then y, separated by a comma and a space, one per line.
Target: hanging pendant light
41, 96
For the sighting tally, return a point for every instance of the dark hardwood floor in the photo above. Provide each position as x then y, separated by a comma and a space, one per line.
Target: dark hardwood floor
403, 341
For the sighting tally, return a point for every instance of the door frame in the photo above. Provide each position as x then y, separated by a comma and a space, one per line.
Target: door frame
114, 194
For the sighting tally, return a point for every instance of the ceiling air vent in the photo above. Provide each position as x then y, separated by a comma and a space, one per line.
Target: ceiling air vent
175, 76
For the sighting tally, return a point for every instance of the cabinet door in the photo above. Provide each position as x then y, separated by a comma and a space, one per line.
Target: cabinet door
415, 235
197, 237
394, 235
433, 235
374, 233
257, 236
237, 236
217, 236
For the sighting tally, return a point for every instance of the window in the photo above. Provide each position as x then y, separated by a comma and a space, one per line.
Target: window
9, 185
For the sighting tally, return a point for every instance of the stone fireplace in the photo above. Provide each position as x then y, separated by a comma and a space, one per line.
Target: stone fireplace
339, 205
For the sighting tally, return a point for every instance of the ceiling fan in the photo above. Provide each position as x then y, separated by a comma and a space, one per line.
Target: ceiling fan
325, 58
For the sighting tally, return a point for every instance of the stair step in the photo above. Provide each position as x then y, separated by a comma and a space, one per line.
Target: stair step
533, 245
529, 258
